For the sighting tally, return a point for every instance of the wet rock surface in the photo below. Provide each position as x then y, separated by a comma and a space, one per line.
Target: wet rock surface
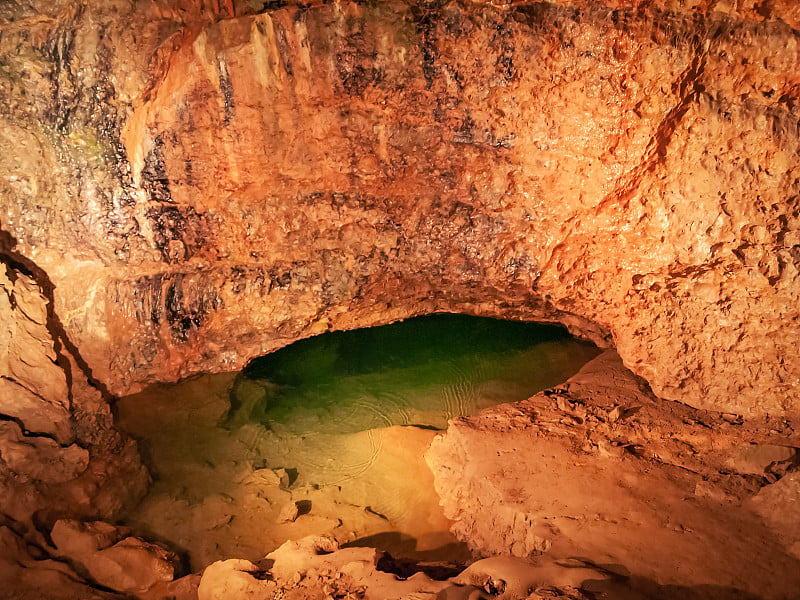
223, 492
186, 185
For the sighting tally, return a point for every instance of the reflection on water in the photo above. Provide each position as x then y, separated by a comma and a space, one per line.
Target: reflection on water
421, 372
336, 425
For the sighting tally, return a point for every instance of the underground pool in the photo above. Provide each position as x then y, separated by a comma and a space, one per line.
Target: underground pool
327, 435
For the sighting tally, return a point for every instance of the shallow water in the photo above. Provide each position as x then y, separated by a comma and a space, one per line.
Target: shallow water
336, 425
422, 372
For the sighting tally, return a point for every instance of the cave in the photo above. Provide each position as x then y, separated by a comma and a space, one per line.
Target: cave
188, 185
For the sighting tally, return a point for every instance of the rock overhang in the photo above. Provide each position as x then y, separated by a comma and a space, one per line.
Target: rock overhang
248, 179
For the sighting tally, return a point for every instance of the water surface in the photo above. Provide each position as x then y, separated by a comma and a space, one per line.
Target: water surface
422, 372
336, 425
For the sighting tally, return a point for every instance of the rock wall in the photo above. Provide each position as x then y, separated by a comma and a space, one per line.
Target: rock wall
59, 449
204, 181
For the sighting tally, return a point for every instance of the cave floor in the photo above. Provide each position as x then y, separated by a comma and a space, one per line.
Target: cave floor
621, 493
595, 487
214, 496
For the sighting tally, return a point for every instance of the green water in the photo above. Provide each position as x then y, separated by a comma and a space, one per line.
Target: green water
337, 423
419, 372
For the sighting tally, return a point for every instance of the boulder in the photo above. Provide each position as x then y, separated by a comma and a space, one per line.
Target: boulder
109, 557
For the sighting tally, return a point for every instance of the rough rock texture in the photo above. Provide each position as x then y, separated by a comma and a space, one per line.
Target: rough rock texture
204, 181
83, 561
28, 572
186, 184
600, 469
315, 567
33, 388
110, 557
772, 502
311, 568
59, 450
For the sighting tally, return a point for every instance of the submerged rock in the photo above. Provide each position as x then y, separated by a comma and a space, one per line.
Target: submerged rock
289, 513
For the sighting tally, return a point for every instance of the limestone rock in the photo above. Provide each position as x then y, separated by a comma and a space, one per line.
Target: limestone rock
81, 539
244, 175
184, 186
40, 458
48, 579
776, 503
558, 476
12, 547
25, 577
109, 557
299, 571
59, 451
32, 387
289, 513
184, 588
294, 557
131, 565
315, 567
514, 578
234, 578
761, 459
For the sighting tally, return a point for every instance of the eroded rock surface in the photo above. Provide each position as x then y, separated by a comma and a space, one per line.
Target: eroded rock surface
110, 557
207, 181
187, 184
315, 567
774, 502
599, 469
28, 572
59, 449
33, 388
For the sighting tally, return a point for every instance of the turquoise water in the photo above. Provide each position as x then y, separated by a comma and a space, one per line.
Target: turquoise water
419, 372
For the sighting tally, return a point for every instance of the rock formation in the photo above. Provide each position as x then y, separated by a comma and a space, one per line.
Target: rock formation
599, 468
206, 181
315, 568
59, 449
187, 184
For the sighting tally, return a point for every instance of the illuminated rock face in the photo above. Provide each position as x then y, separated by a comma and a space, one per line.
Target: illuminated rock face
206, 181
187, 184
59, 449
599, 467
